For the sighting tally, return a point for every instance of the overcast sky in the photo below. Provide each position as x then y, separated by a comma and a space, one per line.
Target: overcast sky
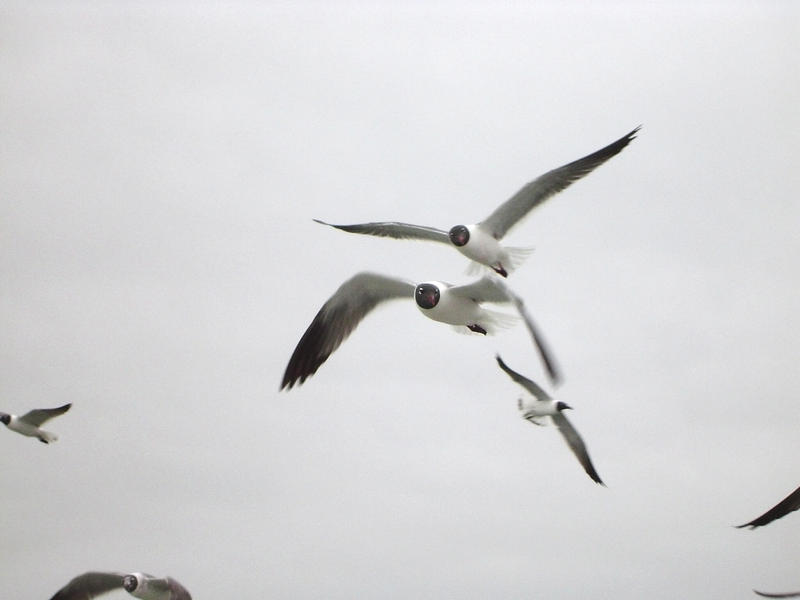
160, 169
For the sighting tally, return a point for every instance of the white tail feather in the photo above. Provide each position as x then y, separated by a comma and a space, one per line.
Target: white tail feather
516, 256
492, 321
47, 436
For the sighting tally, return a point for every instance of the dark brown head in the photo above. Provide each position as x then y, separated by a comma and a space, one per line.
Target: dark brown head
5, 418
427, 295
459, 235
562, 406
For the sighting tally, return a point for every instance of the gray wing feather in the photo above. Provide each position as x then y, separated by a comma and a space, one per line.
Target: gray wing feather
41, 415
789, 504
542, 347
337, 319
486, 289
177, 591
89, 585
783, 595
540, 189
575, 443
393, 229
529, 385
492, 289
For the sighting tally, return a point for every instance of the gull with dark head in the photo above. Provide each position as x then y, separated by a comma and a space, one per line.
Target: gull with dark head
539, 405
789, 504
139, 585
29, 423
480, 242
457, 305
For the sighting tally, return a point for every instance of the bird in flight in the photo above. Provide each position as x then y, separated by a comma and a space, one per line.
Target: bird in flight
480, 242
539, 405
29, 423
457, 305
139, 585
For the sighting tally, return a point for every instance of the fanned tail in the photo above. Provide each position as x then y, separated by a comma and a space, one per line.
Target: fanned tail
516, 256
492, 321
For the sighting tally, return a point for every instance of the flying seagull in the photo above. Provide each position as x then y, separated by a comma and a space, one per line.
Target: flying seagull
139, 585
480, 242
541, 405
28, 424
458, 305
783, 508
784, 595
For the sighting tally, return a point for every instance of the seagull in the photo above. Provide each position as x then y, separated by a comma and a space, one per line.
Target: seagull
480, 242
457, 305
139, 585
784, 595
28, 424
783, 508
541, 405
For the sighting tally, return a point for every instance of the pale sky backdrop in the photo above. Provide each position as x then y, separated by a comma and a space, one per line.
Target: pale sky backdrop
160, 167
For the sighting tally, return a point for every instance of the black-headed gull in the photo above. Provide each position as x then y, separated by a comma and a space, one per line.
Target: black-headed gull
480, 242
29, 423
781, 509
540, 405
458, 305
139, 585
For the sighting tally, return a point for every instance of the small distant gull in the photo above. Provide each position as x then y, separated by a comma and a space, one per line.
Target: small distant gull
480, 242
783, 508
541, 405
29, 423
458, 305
139, 585
783, 595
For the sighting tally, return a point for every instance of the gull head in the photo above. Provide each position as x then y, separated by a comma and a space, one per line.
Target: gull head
427, 295
459, 235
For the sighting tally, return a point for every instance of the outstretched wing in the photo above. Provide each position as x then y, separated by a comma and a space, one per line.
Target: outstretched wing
540, 189
492, 289
784, 595
337, 318
486, 289
575, 443
177, 591
783, 508
89, 585
529, 385
41, 415
392, 229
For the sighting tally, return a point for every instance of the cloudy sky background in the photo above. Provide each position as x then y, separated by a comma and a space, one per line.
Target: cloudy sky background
161, 165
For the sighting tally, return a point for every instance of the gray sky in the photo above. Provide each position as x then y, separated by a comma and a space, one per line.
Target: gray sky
160, 170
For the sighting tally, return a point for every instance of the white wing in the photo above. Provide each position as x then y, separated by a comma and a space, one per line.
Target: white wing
337, 319
540, 189
40, 415
393, 229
